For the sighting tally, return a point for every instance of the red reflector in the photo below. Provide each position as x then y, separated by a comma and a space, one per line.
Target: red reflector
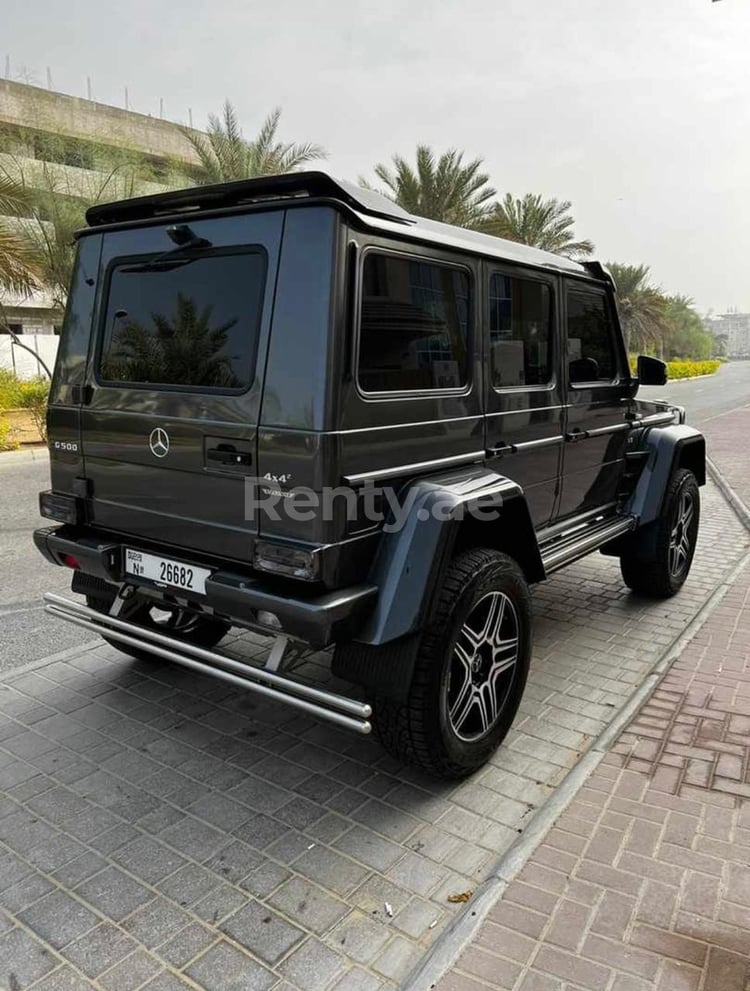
69, 561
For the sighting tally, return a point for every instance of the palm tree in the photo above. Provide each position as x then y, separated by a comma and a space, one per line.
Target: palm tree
441, 188
545, 224
642, 306
19, 265
224, 154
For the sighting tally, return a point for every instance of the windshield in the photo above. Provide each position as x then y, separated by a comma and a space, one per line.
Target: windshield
192, 323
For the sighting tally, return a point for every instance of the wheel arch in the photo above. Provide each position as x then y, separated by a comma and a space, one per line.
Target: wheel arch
669, 448
474, 508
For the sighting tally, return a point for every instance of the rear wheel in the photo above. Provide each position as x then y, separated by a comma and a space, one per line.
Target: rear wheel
181, 624
661, 571
470, 670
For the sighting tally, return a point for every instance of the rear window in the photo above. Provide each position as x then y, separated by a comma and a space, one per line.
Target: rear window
414, 325
184, 323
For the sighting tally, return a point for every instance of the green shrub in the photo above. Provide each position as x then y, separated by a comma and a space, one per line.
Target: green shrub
683, 369
7, 441
9, 389
33, 396
690, 369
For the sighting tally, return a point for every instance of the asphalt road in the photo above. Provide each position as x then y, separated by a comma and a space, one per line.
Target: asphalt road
27, 633
704, 398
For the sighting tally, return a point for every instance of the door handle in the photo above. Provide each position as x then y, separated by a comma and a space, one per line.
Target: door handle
501, 448
575, 435
227, 454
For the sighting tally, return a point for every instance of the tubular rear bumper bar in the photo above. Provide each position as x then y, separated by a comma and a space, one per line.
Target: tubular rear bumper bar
318, 621
338, 709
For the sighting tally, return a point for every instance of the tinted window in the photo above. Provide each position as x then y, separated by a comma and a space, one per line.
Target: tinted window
184, 324
591, 352
520, 331
414, 325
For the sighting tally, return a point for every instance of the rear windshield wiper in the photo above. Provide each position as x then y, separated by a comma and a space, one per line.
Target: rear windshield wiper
175, 257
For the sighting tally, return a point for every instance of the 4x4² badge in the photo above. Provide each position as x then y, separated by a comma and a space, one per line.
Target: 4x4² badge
158, 441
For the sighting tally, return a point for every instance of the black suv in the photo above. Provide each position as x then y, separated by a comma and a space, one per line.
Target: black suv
287, 405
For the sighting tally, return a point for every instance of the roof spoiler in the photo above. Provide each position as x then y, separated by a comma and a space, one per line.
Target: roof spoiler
248, 191
599, 271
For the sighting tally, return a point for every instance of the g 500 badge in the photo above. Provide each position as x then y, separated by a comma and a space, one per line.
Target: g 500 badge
69, 446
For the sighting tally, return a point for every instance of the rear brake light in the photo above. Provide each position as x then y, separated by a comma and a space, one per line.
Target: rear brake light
70, 562
64, 508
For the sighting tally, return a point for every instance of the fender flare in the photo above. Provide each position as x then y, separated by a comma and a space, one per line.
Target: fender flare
669, 448
410, 563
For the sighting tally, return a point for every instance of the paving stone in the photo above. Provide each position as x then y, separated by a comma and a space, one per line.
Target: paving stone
26, 892
265, 933
113, 893
181, 948
100, 949
313, 966
62, 979
155, 922
189, 884
58, 918
22, 959
193, 838
131, 972
224, 968
359, 937
330, 869
368, 848
148, 859
219, 903
264, 880
308, 905
234, 861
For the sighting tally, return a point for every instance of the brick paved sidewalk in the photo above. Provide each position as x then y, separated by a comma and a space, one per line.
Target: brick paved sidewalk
643, 883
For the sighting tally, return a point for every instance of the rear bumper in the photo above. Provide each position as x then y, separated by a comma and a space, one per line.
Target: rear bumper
319, 620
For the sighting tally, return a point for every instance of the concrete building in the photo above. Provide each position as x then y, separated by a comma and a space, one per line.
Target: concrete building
62, 140
735, 327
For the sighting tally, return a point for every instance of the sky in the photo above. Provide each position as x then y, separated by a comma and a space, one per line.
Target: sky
638, 111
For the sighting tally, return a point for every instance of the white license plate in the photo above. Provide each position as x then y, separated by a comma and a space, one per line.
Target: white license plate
165, 571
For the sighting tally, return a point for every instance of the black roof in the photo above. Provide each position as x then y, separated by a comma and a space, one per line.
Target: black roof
373, 210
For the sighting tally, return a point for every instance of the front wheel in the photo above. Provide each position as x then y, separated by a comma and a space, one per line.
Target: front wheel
470, 671
658, 567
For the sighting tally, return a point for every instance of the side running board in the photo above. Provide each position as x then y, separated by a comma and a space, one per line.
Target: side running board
569, 547
338, 709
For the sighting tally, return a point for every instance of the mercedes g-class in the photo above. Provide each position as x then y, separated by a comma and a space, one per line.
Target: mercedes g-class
287, 405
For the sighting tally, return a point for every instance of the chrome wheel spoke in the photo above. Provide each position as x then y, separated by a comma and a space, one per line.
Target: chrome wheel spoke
463, 705
484, 655
487, 703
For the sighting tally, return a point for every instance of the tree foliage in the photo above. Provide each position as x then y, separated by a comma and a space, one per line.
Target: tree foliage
541, 223
19, 268
439, 188
225, 154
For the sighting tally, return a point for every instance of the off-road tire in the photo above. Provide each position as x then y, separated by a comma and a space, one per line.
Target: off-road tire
653, 575
204, 631
419, 731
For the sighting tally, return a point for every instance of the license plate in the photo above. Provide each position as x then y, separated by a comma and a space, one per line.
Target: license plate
165, 571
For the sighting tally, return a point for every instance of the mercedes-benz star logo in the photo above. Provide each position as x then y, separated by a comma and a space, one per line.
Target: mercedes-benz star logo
158, 441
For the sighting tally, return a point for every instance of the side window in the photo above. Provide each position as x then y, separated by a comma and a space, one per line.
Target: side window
591, 352
414, 325
521, 331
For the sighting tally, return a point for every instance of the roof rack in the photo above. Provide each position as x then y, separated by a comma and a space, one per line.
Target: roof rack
248, 191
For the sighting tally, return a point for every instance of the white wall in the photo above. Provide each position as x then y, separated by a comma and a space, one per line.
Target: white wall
25, 365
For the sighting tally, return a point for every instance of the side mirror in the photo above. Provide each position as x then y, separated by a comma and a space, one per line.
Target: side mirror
652, 371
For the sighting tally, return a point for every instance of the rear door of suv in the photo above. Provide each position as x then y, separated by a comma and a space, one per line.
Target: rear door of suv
174, 380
